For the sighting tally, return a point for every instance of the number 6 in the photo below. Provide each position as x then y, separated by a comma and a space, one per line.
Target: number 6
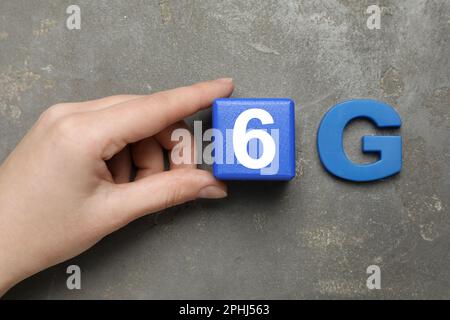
241, 137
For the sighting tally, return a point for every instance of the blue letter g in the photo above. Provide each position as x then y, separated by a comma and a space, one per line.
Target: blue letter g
331, 148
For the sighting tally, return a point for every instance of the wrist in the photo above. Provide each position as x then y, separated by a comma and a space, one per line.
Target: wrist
7, 279
11, 270
11, 253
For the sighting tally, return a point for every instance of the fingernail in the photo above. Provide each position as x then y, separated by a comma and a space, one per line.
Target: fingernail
211, 192
225, 80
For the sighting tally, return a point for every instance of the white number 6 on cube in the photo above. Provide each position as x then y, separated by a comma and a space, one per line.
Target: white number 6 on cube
241, 138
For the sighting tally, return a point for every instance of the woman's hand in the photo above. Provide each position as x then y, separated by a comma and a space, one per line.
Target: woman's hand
67, 184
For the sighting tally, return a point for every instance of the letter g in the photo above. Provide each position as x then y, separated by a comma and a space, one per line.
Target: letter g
330, 141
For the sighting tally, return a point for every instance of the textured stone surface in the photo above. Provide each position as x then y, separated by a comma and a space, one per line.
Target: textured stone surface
313, 237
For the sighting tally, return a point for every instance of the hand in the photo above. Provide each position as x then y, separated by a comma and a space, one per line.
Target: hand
67, 183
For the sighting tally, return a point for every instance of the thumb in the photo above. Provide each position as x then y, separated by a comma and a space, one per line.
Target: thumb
132, 200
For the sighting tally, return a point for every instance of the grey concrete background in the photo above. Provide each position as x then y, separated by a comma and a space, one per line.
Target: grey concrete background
313, 237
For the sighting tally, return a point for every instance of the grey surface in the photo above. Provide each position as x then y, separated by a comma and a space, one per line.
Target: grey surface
313, 237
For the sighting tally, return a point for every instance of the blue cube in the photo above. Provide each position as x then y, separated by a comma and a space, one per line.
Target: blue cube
253, 139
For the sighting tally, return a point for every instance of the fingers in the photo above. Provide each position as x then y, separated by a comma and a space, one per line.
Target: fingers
147, 154
179, 141
120, 166
140, 118
103, 103
64, 109
159, 191
148, 157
